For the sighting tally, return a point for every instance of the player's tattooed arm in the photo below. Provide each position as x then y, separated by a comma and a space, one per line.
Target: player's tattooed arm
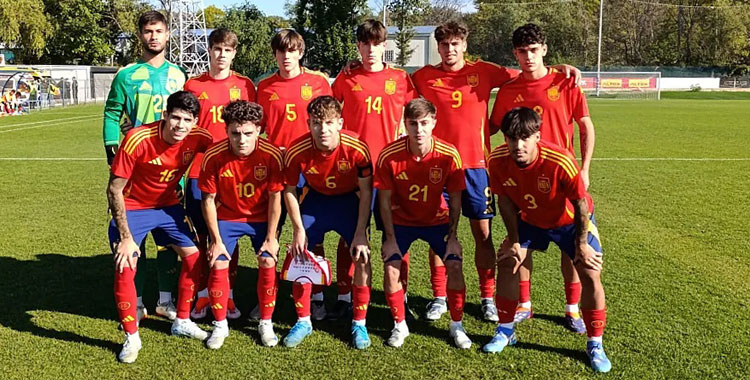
511, 247
360, 246
585, 255
299, 237
390, 247
217, 248
126, 251
454, 213
271, 244
587, 138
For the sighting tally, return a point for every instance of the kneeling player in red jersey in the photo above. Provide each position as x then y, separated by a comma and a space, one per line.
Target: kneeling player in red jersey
543, 199
142, 196
412, 173
243, 174
337, 170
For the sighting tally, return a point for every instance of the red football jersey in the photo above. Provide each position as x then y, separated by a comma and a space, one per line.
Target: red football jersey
462, 101
285, 103
214, 95
242, 184
556, 99
333, 173
374, 103
153, 167
542, 191
417, 185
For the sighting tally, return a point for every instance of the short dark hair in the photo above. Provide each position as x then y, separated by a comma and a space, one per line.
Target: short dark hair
151, 17
242, 111
528, 34
520, 123
451, 29
222, 36
323, 108
418, 108
371, 31
185, 101
287, 39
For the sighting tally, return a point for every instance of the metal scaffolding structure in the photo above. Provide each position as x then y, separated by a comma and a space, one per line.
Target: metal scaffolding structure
188, 41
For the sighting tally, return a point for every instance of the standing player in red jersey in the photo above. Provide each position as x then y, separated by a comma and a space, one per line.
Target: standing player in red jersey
337, 196
243, 174
142, 196
284, 97
374, 97
460, 91
413, 172
214, 89
543, 199
559, 102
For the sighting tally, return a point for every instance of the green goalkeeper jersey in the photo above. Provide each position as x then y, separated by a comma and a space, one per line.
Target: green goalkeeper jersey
139, 96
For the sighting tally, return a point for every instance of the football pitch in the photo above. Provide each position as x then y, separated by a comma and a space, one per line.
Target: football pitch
671, 185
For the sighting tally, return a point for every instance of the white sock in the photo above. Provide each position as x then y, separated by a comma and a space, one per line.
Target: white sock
456, 324
572, 308
203, 293
360, 322
317, 296
525, 305
180, 320
595, 339
346, 297
165, 297
140, 302
134, 335
441, 298
304, 319
400, 325
221, 324
268, 321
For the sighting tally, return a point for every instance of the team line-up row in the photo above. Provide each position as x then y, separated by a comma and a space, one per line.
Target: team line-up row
333, 155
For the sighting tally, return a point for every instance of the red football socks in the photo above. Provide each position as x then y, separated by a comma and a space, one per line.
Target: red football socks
456, 300
301, 295
396, 303
506, 309
266, 292
186, 287
486, 282
524, 291
572, 293
126, 300
218, 292
361, 299
595, 321
438, 279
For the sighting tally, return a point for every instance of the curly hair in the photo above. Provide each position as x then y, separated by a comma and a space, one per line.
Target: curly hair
324, 108
528, 34
242, 111
451, 29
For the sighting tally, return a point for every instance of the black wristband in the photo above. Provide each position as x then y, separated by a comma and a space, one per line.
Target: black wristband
111, 150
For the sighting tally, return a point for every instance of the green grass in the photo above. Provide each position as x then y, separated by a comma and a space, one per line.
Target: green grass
675, 236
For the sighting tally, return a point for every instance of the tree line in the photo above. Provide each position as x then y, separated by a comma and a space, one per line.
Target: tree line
653, 33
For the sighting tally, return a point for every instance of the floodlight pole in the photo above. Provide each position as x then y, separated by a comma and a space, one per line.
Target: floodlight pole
599, 55
385, 9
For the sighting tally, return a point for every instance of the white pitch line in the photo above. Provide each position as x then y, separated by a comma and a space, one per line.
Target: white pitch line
667, 159
50, 125
47, 121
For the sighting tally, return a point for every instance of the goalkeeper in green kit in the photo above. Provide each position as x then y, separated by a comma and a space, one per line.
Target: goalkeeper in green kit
139, 96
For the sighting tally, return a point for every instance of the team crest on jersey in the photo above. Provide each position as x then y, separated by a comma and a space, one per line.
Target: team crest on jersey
187, 157
123, 305
473, 79
306, 92
390, 87
234, 94
543, 184
436, 175
553, 94
344, 166
172, 85
260, 172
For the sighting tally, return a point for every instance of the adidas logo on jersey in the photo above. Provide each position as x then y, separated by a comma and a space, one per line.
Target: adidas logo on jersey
227, 174
312, 170
403, 176
145, 87
519, 99
203, 96
155, 161
273, 97
509, 182
438, 83
357, 87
